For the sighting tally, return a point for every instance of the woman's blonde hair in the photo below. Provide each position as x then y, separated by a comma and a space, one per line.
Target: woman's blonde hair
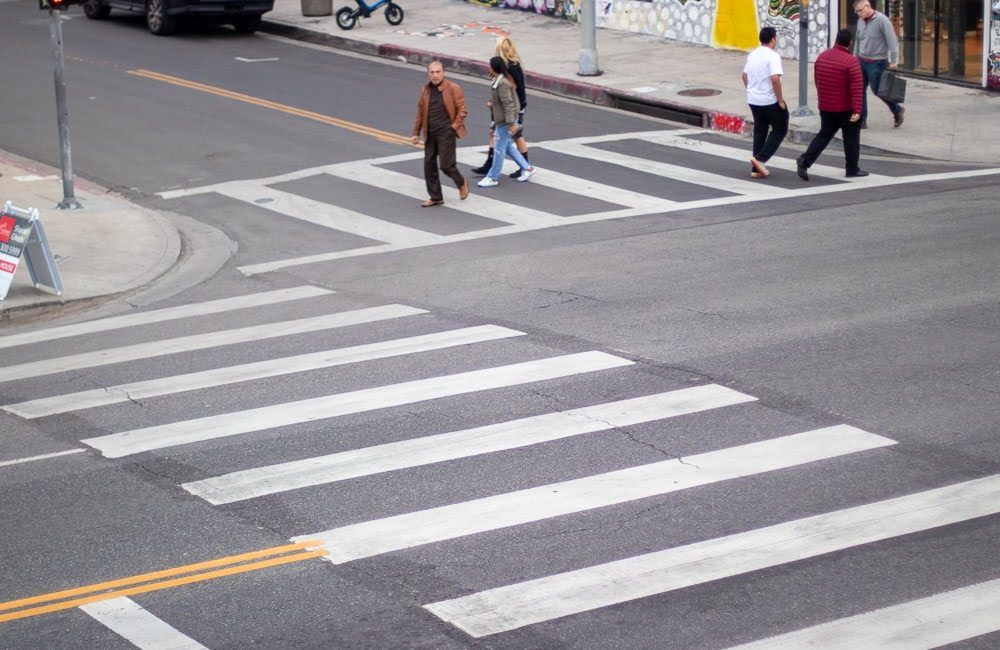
507, 51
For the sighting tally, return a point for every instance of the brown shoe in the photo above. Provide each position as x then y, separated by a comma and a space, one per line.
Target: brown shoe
430, 203
463, 192
760, 168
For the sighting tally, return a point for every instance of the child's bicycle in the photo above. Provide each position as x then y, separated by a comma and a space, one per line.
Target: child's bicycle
347, 18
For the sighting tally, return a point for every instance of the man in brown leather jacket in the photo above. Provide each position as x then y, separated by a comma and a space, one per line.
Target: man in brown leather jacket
441, 118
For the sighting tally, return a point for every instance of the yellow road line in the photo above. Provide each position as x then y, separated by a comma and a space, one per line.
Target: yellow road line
385, 136
156, 575
157, 586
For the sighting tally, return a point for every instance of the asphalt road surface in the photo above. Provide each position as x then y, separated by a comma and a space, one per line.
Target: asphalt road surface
640, 401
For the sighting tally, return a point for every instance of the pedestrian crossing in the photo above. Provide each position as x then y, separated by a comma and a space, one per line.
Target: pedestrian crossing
535, 399
567, 197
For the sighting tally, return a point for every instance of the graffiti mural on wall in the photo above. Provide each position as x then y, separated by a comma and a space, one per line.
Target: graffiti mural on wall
559, 8
732, 24
720, 23
993, 61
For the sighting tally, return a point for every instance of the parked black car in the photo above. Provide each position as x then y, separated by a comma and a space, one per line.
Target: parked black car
162, 15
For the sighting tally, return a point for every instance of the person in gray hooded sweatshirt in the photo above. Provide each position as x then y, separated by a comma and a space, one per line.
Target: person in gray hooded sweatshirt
877, 49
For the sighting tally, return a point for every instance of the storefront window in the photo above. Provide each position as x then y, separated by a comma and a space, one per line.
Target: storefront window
942, 38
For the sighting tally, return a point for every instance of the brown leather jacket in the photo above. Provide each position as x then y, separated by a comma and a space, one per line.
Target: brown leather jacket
454, 103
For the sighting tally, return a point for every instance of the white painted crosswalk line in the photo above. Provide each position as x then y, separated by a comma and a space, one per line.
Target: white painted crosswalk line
478, 204
160, 315
327, 215
127, 619
669, 139
355, 463
681, 173
204, 341
922, 624
514, 606
602, 490
247, 372
581, 186
126, 443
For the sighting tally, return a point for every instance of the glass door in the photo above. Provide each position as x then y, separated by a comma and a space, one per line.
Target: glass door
942, 38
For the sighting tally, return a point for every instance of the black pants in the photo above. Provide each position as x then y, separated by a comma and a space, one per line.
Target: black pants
440, 145
829, 124
773, 119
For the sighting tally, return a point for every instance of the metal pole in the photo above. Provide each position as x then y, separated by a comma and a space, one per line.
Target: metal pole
588, 40
803, 108
65, 159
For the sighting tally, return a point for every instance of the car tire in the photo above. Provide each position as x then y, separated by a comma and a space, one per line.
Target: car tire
247, 24
157, 19
94, 10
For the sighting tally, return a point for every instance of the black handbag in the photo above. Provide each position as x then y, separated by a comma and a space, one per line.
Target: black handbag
892, 87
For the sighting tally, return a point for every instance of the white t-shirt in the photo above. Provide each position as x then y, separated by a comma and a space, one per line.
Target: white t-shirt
761, 64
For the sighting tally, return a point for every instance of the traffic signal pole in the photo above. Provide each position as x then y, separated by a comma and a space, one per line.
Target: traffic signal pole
62, 113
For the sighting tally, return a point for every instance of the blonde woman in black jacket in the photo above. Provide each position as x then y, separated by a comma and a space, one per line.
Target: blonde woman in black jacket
504, 107
505, 50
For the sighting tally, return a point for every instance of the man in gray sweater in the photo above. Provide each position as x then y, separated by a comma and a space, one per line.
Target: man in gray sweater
877, 48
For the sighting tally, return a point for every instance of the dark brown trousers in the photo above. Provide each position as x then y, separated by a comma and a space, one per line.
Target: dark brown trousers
440, 145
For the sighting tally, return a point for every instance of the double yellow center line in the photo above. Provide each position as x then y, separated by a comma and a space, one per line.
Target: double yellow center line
384, 136
157, 580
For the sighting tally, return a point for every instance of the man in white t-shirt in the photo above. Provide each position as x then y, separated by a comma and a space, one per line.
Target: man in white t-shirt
762, 78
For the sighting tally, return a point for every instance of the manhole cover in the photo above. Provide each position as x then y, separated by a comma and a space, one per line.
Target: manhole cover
700, 92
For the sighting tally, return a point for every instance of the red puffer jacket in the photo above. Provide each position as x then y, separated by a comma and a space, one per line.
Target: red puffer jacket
838, 81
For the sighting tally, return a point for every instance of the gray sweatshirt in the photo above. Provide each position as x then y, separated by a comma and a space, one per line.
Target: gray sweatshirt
876, 40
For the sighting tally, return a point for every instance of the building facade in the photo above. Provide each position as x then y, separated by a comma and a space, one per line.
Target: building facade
950, 40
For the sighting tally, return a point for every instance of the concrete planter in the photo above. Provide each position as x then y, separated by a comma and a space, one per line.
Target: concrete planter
317, 7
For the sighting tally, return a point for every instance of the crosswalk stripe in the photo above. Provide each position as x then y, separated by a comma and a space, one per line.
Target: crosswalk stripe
326, 215
203, 341
127, 619
922, 624
247, 372
543, 599
477, 204
126, 443
160, 315
320, 470
690, 175
669, 139
580, 186
601, 490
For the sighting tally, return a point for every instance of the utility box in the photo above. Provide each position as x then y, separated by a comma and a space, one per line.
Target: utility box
317, 7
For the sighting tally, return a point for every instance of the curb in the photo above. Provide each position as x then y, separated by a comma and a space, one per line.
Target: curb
582, 90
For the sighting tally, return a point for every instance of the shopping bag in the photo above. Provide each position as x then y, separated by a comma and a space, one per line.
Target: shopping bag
892, 87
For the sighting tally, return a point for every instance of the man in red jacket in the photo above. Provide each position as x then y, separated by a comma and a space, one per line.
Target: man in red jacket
840, 90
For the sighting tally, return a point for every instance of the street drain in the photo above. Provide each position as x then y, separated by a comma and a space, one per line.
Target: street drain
699, 92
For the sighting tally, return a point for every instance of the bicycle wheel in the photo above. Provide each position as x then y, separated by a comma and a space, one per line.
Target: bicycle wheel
346, 18
393, 14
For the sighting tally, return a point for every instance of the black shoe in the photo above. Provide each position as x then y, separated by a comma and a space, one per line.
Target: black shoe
484, 169
800, 169
897, 118
858, 174
514, 174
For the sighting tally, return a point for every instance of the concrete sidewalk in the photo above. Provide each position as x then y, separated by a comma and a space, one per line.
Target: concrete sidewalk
108, 247
682, 81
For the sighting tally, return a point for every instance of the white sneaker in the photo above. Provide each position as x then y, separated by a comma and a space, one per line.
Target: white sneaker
526, 174
486, 181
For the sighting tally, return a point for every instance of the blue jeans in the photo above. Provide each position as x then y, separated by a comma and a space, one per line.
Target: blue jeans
503, 146
871, 72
